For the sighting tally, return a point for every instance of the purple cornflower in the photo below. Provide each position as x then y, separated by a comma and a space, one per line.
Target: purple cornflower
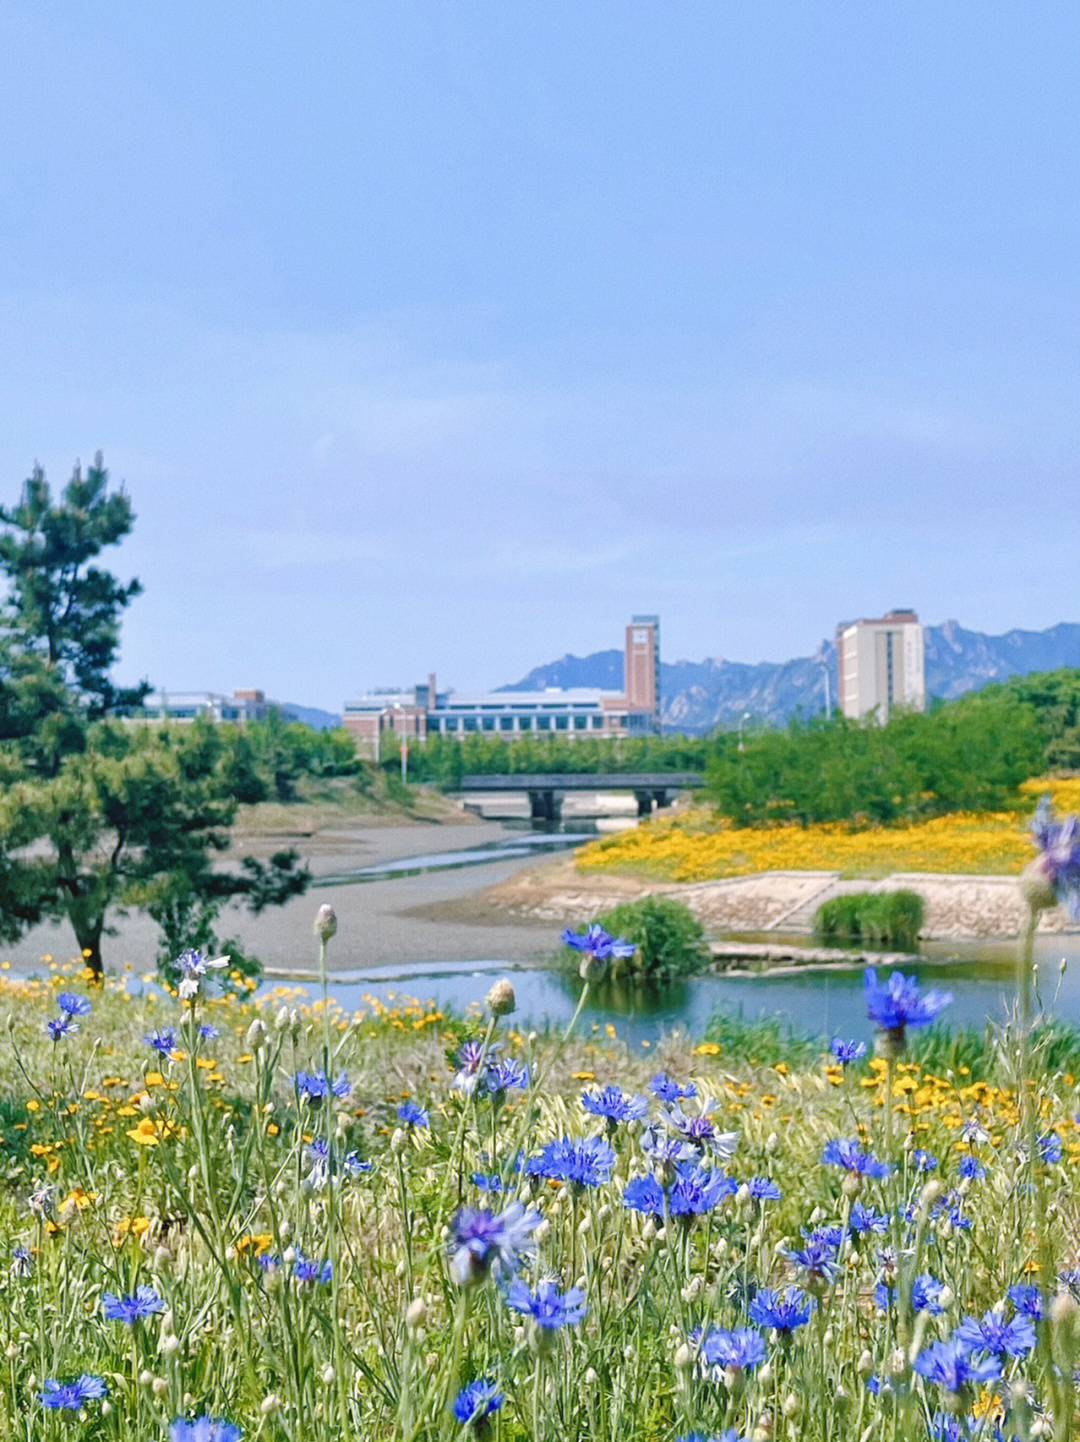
70, 1396
846, 1052
306, 1271
61, 1026
1058, 863
669, 1090
900, 1003
740, 1350
163, 1042
847, 1153
994, 1334
547, 1306
204, 1429
763, 1189
468, 1060
413, 1115
782, 1310
143, 1302
952, 1365
482, 1244
476, 1402
315, 1086
506, 1075
586, 1162
73, 1004
702, 1131
614, 1106
1027, 1300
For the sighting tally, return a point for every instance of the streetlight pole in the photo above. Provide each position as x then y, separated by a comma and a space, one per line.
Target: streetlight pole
742, 722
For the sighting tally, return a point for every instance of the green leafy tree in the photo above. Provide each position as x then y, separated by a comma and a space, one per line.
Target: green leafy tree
97, 816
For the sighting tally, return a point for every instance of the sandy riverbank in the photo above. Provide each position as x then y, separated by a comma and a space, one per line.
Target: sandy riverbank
957, 907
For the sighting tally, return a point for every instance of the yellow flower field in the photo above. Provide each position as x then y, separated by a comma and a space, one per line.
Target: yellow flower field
697, 847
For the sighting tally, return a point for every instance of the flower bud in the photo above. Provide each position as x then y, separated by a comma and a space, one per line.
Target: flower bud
281, 1021
145, 1378
416, 1313
684, 1358
256, 1034
328, 1374
325, 922
159, 1386
398, 1141
270, 1403
500, 1000
1062, 1308
168, 1344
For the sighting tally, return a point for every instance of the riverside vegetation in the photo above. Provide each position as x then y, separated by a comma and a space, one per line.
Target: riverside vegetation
225, 1220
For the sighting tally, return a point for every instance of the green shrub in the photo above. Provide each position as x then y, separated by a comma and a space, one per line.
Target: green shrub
892, 918
669, 939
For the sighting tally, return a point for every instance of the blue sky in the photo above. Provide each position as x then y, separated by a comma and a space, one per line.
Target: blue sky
447, 336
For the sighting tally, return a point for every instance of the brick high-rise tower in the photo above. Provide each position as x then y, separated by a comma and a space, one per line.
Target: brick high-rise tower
643, 666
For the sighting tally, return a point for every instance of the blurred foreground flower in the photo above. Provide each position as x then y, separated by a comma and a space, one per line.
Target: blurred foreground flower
1053, 878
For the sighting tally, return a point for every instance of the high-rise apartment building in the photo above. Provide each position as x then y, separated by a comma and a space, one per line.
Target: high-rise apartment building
880, 664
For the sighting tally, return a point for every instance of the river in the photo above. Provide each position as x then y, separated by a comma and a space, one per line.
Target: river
384, 883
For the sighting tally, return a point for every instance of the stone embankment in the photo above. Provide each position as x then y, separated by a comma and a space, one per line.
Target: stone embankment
957, 907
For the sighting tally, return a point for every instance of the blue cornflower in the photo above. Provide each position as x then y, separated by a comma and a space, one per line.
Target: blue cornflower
1058, 865
729, 1434
143, 1302
73, 1004
971, 1167
315, 1086
847, 1153
994, 1334
476, 1402
926, 1293
61, 1026
644, 1194
763, 1189
1026, 1299
884, 1295
506, 1075
22, 1262
783, 1310
1049, 1145
614, 1105
669, 1090
209, 1032
487, 1181
413, 1115
598, 944
547, 1306
741, 1349
847, 1051
863, 1220
306, 1271
482, 1244
355, 1164
586, 1162
952, 1365
70, 1396
924, 1161
163, 1042
697, 1190
900, 1003
204, 1429
194, 969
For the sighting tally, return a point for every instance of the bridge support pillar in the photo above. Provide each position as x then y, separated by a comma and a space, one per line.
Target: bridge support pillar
644, 801
545, 805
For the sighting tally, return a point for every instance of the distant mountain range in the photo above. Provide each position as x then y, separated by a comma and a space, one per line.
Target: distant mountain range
310, 715
699, 695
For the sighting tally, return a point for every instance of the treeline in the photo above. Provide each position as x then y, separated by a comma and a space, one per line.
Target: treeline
965, 755
444, 760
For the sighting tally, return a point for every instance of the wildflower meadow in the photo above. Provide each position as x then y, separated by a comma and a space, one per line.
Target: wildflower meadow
223, 1219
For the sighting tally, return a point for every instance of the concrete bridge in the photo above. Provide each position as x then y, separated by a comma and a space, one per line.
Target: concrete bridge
545, 792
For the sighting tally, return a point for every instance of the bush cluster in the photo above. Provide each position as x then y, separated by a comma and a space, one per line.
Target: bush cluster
891, 918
